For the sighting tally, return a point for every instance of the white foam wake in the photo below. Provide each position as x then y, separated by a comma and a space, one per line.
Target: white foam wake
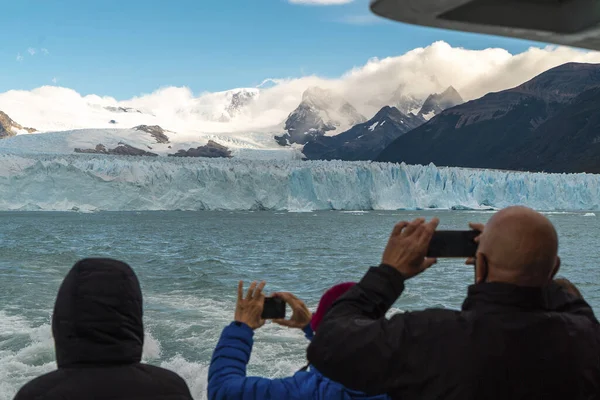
35, 182
27, 349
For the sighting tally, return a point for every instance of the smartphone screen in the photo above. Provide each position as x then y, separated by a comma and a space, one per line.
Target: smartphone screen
453, 244
274, 308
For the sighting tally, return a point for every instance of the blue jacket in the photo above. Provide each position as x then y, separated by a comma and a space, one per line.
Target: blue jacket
227, 375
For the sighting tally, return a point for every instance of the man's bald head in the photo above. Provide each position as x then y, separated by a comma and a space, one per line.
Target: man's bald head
519, 246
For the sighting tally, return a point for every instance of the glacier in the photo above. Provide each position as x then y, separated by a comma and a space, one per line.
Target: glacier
101, 183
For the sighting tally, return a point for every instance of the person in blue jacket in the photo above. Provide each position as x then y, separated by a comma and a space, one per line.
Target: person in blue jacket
227, 373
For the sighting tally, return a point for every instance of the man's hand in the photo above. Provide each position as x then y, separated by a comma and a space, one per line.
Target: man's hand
476, 227
407, 247
300, 313
249, 310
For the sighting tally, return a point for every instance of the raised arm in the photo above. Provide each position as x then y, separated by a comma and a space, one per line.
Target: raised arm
227, 373
227, 378
356, 345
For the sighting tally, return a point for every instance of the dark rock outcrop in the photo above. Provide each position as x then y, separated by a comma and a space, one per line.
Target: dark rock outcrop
122, 149
99, 149
155, 131
211, 150
549, 123
122, 109
8, 126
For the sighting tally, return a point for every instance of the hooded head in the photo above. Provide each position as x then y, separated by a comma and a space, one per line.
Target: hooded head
327, 301
97, 317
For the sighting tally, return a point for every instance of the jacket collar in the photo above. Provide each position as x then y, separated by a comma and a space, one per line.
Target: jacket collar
501, 297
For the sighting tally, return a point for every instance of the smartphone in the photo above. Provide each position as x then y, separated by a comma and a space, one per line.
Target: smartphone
274, 308
453, 244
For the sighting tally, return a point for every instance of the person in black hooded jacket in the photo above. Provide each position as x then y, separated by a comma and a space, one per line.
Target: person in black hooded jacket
519, 335
98, 336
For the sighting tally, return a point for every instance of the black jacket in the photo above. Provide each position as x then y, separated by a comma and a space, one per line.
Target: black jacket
98, 335
508, 342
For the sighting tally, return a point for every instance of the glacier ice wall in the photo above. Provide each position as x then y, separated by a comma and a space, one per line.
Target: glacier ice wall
90, 183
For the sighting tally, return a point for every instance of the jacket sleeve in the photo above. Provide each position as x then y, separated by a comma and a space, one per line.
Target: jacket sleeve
308, 332
227, 373
356, 344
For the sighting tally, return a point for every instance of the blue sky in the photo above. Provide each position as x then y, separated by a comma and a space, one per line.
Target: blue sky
126, 48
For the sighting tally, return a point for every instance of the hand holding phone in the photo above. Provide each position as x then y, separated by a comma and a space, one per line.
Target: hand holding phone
407, 247
447, 244
301, 315
273, 308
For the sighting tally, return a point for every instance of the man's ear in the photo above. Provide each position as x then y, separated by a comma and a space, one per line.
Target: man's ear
481, 267
556, 268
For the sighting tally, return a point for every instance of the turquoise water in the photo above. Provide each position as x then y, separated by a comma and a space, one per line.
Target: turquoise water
189, 264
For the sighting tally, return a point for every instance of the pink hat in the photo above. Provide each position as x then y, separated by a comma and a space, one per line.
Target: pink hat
327, 301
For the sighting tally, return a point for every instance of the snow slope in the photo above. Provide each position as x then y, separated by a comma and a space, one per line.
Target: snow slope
88, 182
254, 145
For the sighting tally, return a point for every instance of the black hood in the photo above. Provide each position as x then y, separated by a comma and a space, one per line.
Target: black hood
97, 317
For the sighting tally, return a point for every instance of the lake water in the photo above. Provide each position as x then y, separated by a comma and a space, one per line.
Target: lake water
189, 264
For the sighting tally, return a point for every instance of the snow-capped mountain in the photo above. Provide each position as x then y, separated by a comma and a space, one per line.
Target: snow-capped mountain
438, 102
8, 127
364, 141
223, 106
549, 123
321, 112
239, 100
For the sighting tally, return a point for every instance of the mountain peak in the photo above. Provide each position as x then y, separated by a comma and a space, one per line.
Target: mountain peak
452, 94
438, 102
229, 104
366, 140
406, 103
321, 98
315, 91
388, 111
320, 111
240, 99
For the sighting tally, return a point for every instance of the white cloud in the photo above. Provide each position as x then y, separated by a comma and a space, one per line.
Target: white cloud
368, 87
321, 2
45, 51
55, 80
31, 51
19, 57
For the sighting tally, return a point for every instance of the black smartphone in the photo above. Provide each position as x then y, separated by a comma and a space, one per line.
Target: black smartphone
274, 308
453, 244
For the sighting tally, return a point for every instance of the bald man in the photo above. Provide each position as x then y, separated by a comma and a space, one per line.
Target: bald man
518, 335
